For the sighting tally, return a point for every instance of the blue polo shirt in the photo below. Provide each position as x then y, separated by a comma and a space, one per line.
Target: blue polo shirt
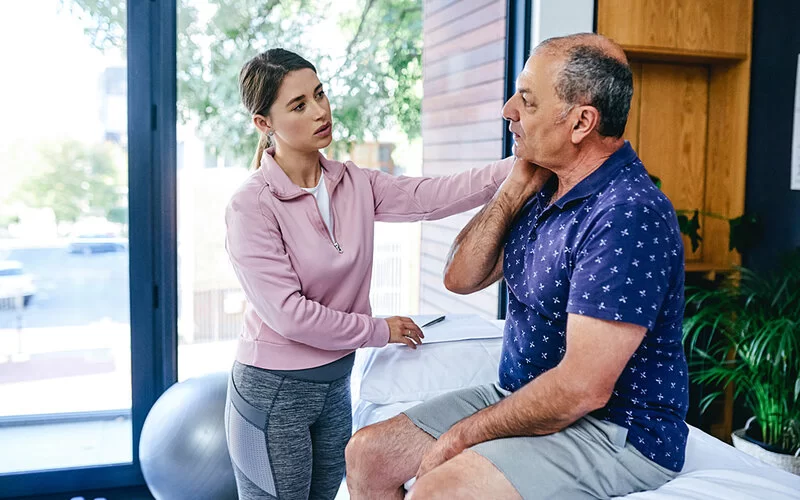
610, 248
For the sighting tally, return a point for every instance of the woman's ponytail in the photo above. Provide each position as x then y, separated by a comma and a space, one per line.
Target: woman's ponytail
263, 144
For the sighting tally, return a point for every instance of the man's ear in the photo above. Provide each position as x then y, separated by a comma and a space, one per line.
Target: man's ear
586, 120
262, 123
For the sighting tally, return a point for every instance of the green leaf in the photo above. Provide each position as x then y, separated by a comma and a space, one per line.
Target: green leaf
690, 228
744, 231
656, 180
796, 390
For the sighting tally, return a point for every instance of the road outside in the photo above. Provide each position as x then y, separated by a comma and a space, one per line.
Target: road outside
72, 289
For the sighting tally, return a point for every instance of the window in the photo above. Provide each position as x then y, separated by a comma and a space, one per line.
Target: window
65, 370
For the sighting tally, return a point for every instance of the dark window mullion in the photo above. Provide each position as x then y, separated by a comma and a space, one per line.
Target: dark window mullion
518, 41
165, 191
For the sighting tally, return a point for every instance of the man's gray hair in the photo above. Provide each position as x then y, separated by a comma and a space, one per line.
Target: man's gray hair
592, 77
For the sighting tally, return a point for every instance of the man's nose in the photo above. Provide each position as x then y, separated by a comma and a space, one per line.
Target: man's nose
510, 111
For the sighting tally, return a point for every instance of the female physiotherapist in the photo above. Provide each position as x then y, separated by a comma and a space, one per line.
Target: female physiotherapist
300, 237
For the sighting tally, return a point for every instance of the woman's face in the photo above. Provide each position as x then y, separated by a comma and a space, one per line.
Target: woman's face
300, 117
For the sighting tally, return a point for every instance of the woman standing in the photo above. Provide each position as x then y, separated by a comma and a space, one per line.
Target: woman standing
300, 237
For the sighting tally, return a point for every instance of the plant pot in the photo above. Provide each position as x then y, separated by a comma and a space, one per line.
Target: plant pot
742, 442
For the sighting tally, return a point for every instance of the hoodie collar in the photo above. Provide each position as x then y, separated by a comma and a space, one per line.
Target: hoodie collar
283, 188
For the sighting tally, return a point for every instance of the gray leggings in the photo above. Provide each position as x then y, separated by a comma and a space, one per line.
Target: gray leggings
287, 436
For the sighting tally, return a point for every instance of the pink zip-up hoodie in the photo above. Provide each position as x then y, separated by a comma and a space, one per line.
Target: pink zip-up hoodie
308, 293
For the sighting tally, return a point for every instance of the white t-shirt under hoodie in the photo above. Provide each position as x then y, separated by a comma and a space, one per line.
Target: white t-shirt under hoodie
320, 192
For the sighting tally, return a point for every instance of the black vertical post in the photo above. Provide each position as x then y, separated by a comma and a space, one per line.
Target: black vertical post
518, 41
152, 203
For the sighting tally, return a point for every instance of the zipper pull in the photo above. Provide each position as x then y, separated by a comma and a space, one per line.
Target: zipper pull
336, 245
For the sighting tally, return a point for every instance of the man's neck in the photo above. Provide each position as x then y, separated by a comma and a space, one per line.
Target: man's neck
302, 168
583, 165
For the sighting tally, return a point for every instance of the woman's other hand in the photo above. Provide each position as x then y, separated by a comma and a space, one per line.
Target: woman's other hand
529, 177
403, 330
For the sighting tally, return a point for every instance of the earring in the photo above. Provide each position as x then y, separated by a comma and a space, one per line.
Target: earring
270, 133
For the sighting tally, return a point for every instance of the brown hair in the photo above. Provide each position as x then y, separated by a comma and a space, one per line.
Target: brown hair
259, 81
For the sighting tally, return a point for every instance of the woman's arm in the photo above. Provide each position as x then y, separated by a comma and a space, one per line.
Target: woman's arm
255, 247
409, 199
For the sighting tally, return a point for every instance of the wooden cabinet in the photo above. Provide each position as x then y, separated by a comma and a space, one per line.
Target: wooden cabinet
688, 119
673, 125
683, 28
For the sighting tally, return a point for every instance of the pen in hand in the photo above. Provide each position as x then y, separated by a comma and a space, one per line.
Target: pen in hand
433, 322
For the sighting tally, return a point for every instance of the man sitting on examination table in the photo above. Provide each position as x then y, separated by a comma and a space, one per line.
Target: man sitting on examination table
592, 389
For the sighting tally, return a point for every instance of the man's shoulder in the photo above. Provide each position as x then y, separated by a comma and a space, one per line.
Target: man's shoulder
630, 221
632, 194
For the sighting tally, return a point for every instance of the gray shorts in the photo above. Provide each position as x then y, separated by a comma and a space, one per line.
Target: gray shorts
589, 459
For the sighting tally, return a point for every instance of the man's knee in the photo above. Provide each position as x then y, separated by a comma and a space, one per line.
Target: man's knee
365, 450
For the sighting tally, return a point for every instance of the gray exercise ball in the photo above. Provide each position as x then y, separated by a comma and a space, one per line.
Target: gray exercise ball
183, 451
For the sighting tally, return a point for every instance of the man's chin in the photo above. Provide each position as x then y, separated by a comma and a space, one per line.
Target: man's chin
520, 153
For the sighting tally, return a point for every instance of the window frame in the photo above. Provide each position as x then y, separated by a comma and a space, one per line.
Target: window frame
152, 113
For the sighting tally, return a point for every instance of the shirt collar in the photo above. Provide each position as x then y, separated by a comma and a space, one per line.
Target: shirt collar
283, 188
595, 181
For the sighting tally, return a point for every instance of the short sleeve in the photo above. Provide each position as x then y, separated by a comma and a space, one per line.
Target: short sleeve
623, 266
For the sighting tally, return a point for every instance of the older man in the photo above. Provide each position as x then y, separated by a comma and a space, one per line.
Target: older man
592, 388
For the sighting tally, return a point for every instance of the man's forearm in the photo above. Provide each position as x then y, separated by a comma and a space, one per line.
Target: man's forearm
543, 406
476, 251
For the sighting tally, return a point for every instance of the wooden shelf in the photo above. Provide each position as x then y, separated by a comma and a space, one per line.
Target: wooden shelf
705, 267
669, 54
709, 270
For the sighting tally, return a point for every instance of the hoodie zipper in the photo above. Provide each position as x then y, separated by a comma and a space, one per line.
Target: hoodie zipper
332, 234
333, 220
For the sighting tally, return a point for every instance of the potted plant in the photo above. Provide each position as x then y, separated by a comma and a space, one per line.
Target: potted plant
746, 332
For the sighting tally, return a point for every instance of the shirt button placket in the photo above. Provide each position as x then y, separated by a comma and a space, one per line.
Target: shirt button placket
532, 236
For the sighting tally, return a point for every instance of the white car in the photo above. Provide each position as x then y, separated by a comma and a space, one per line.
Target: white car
15, 283
88, 244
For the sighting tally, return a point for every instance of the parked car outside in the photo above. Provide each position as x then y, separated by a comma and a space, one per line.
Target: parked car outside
96, 243
15, 283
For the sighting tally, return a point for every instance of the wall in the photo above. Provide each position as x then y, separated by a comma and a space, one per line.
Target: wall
559, 18
463, 83
776, 44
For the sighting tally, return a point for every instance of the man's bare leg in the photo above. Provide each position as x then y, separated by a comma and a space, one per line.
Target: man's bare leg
466, 476
382, 457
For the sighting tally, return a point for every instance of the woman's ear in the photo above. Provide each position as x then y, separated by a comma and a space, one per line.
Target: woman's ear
263, 124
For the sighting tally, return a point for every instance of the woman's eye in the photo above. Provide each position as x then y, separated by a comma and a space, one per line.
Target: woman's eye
320, 94
300, 107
